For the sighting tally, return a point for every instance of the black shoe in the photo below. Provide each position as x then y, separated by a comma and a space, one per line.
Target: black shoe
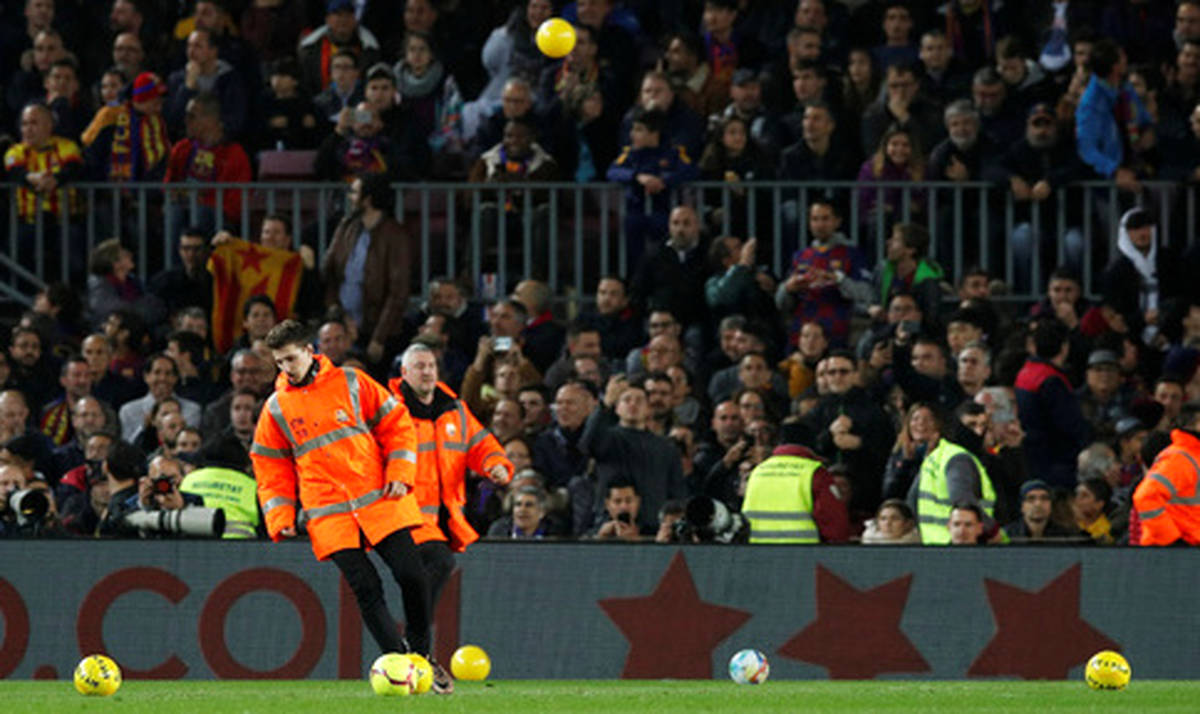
443, 683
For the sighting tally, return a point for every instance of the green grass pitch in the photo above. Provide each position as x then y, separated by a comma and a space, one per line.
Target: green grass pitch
657, 697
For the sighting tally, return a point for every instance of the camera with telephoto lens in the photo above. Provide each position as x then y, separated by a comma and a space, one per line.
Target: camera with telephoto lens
194, 521
707, 520
162, 485
31, 506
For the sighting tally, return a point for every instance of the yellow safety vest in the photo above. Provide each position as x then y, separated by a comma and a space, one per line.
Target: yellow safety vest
233, 492
933, 493
779, 501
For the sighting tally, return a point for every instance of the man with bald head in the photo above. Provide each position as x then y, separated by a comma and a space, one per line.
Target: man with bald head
14, 421
40, 164
671, 274
88, 416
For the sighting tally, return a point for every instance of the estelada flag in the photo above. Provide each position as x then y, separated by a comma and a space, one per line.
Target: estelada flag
241, 270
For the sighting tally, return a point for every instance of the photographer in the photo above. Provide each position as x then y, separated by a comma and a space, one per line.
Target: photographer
122, 467
621, 504
83, 491
26, 506
701, 520
159, 490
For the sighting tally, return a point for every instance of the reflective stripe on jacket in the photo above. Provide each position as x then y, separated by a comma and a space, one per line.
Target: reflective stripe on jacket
933, 493
447, 447
335, 443
1166, 501
779, 501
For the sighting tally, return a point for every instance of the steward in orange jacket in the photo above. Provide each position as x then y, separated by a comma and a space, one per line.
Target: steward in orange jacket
1167, 500
336, 439
450, 441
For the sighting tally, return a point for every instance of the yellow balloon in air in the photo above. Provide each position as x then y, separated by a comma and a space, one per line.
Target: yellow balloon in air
555, 37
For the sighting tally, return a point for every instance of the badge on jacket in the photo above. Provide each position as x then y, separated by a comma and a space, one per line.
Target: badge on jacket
341, 415
451, 430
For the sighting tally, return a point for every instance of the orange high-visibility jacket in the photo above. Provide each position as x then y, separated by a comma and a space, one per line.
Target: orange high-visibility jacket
335, 442
1167, 501
447, 446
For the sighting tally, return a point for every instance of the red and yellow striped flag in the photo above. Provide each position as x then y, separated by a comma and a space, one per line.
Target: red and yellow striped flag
241, 270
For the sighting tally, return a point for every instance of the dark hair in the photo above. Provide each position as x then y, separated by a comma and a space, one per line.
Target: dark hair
280, 218
63, 297
1049, 338
1099, 488
376, 188
915, 237
690, 41
968, 506
209, 103
1011, 47
1104, 56
653, 119
619, 482
423, 36
190, 343
257, 300
75, 358
288, 332
541, 389
581, 384
104, 255
126, 462
149, 363
906, 510
345, 52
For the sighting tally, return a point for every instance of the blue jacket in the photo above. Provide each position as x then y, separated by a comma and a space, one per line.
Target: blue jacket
671, 164
1097, 136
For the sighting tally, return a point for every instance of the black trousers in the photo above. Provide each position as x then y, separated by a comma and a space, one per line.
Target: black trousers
438, 560
400, 554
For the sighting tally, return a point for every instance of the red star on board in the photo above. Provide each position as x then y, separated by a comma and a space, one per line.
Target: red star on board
671, 631
1039, 635
252, 257
857, 633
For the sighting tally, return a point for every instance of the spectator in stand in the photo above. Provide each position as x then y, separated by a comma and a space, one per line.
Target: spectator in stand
615, 436
497, 373
333, 341
974, 368
1100, 136
1049, 410
359, 146
1028, 83
966, 524
27, 84
1035, 523
556, 451
680, 126
583, 340
207, 155
615, 319
731, 157
110, 387
529, 519
70, 107
161, 376
810, 82
88, 416
187, 349
616, 44
271, 27
1169, 392
112, 285
433, 100
623, 517
367, 269
83, 492
32, 366
860, 89
123, 466
507, 417
189, 284
672, 273
510, 50
998, 116
906, 269
898, 158
345, 89
650, 169
828, 279
851, 428
900, 106
128, 141
894, 524
42, 165
585, 95
554, 133
126, 332
463, 323
1143, 278
207, 73
289, 115
340, 31
738, 285
247, 371
542, 337
76, 380
897, 47
698, 84
973, 27
965, 154
108, 90
816, 157
746, 103
398, 123
1091, 505
943, 77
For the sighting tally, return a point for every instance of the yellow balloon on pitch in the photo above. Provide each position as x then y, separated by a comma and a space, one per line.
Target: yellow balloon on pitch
470, 663
555, 37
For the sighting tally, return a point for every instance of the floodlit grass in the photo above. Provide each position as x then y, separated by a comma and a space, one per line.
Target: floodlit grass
657, 697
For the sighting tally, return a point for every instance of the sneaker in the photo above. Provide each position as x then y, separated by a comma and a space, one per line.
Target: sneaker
443, 683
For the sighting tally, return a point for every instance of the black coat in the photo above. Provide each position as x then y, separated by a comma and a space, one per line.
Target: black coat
872, 425
663, 281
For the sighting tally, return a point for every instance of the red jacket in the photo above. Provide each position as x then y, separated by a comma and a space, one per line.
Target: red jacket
829, 506
225, 163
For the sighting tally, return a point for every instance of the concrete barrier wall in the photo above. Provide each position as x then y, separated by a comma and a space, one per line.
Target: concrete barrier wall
251, 610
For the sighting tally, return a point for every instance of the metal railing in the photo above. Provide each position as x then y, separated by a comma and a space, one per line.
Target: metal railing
573, 233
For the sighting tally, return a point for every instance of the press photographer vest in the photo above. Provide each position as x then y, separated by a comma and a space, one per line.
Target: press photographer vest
779, 501
933, 493
232, 491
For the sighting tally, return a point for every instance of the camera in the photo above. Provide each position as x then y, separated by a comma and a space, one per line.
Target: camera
31, 506
161, 485
624, 517
707, 520
502, 344
362, 116
195, 522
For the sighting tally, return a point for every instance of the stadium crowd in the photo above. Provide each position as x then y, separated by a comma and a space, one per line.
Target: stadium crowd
643, 415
